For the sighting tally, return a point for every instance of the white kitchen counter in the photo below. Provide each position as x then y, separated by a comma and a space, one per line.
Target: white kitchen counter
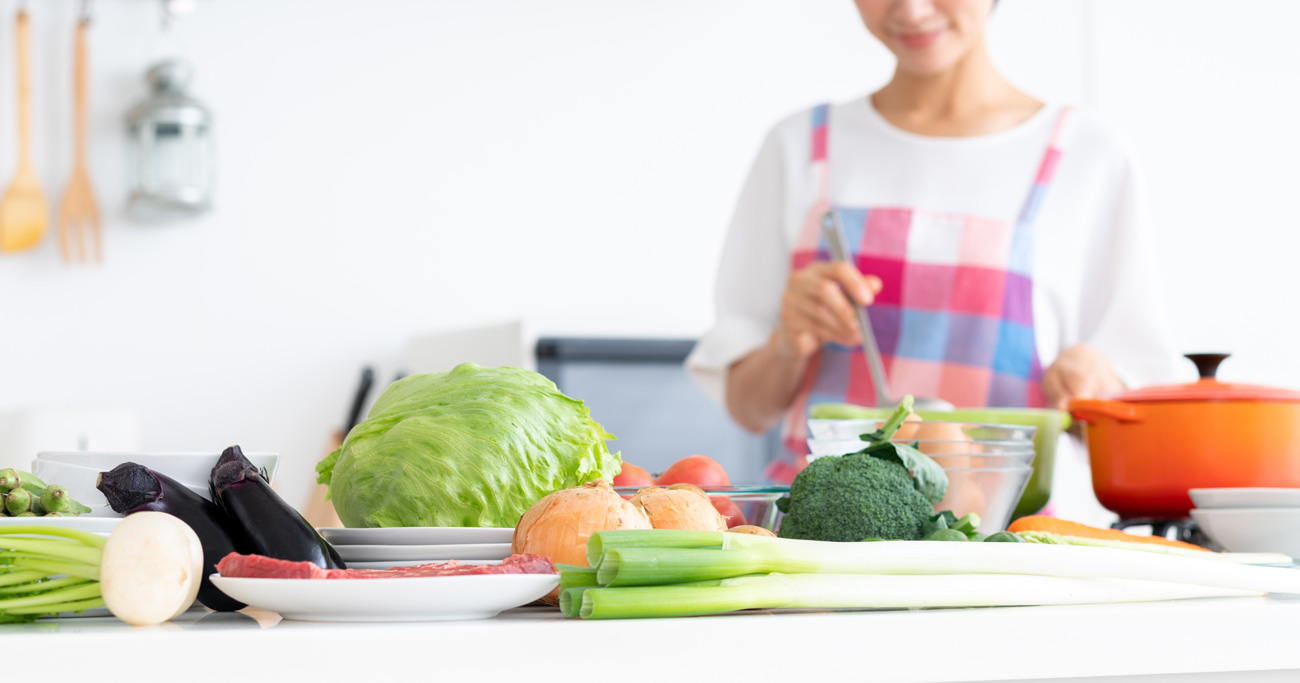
1256, 635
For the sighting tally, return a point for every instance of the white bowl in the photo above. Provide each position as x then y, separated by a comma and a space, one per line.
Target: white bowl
78, 471
1245, 498
1252, 530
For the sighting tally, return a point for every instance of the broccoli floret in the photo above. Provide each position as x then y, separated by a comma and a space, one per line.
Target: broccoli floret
854, 497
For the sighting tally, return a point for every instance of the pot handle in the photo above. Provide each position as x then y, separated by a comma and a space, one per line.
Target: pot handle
1093, 410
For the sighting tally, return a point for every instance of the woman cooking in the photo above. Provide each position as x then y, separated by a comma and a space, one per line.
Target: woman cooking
997, 242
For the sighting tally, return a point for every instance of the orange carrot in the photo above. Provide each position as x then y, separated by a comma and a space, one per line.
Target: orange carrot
1063, 527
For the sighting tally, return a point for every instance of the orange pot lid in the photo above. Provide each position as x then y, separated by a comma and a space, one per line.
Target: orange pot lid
1208, 388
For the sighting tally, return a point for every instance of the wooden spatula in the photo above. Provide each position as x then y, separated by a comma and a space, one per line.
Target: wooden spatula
23, 214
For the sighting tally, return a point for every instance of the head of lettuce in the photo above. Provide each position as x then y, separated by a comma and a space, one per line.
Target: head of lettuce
474, 446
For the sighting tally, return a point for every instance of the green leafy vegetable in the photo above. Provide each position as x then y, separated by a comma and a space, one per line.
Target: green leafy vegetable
474, 446
886, 490
945, 535
927, 475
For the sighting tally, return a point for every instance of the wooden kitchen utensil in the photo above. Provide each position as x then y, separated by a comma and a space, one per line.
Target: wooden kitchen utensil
78, 210
839, 249
23, 214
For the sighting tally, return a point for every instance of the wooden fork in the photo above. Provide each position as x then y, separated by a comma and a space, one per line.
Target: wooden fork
78, 210
23, 216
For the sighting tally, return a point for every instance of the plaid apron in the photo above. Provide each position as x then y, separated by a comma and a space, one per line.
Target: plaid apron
955, 318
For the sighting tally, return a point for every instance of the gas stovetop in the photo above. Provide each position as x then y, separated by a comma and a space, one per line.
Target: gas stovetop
1182, 529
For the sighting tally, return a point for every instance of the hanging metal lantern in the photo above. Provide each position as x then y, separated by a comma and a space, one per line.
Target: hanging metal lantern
171, 150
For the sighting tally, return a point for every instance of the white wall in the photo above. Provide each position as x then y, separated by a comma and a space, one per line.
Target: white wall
390, 168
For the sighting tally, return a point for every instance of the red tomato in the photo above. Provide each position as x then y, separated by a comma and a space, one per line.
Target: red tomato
700, 470
728, 508
631, 475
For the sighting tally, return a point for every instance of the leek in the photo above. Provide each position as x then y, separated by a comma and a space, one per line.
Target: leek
571, 575
627, 560
598, 542
849, 591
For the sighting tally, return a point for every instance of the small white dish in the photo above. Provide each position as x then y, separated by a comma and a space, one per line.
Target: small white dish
95, 525
432, 598
78, 471
416, 535
1245, 497
389, 564
423, 553
1252, 530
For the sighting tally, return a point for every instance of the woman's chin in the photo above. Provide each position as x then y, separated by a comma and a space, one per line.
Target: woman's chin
930, 64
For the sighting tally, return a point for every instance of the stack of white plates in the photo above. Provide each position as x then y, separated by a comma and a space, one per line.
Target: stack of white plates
1250, 519
407, 546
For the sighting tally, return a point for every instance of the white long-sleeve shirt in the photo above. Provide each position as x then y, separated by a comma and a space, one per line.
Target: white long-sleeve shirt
1093, 271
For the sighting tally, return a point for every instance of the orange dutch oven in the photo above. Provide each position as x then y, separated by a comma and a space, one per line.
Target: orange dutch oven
1149, 446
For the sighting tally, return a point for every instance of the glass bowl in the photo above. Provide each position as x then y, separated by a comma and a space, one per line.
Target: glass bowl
927, 430
1049, 423
820, 447
964, 461
757, 504
990, 492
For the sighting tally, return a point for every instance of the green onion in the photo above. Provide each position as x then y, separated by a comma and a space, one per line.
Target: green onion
47, 570
848, 591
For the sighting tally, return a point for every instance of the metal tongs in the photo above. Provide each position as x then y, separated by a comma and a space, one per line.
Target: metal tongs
840, 252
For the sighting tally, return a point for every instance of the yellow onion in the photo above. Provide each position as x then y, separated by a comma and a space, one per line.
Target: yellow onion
685, 507
558, 525
750, 529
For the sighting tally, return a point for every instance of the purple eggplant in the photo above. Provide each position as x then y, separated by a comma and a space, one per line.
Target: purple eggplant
273, 528
134, 488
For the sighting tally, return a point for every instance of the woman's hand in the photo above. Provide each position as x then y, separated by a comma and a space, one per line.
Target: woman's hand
1079, 372
815, 308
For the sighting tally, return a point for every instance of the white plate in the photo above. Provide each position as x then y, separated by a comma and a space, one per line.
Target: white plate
426, 553
95, 525
1245, 498
431, 598
416, 535
389, 564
